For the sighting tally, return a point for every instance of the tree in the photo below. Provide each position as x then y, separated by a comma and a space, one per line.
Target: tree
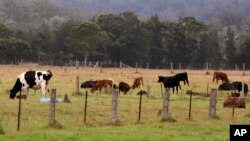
230, 49
88, 39
209, 51
244, 50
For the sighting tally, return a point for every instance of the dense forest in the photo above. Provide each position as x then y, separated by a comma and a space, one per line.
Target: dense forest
56, 31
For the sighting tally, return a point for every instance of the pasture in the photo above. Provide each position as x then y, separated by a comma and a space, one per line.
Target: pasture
34, 116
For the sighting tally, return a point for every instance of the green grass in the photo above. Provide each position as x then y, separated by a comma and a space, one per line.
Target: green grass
69, 116
139, 132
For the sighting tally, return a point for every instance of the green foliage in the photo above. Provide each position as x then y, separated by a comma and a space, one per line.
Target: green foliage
42, 31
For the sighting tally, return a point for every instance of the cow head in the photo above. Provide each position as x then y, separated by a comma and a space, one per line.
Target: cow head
48, 75
160, 79
17, 87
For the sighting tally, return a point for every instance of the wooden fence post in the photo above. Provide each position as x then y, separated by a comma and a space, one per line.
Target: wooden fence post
148, 89
52, 107
171, 67
165, 106
85, 107
242, 88
101, 67
19, 111
120, 64
136, 67
213, 101
244, 67
139, 114
114, 108
207, 68
190, 106
77, 64
65, 67
77, 83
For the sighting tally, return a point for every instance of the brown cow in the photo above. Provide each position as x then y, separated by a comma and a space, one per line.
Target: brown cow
234, 102
220, 76
100, 84
138, 82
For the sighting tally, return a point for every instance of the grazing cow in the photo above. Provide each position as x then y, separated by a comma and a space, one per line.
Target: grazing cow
170, 82
220, 76
124, 87
138, 82
31, 79
182, 77
101, 84
88, 84
226, 86
238, 87
234, 102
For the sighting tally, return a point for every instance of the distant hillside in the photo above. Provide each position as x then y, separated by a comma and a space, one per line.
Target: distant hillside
166, 9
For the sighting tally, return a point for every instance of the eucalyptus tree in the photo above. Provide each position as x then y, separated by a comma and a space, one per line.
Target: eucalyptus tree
230, 48
88, 39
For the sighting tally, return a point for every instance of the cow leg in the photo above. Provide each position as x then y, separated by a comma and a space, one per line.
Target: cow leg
187, 82
173, 89
43, 88
177, 89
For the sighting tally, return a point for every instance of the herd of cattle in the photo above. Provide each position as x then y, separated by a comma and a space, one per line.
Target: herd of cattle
40, 79
168, 82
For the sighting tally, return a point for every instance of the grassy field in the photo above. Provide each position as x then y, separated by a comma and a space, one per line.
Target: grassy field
34, 118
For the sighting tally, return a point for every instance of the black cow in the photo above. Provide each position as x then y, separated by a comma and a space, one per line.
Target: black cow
88, 84
227, 86
238, 87
124, 87
170, 82
182, 77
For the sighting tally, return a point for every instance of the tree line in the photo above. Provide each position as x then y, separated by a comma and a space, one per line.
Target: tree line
112, 38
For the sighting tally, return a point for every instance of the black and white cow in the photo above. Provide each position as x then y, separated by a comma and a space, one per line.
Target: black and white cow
31, 79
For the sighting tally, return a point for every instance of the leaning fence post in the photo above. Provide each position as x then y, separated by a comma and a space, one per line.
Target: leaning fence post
165, 106
213, 101
114, 108
52, 107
